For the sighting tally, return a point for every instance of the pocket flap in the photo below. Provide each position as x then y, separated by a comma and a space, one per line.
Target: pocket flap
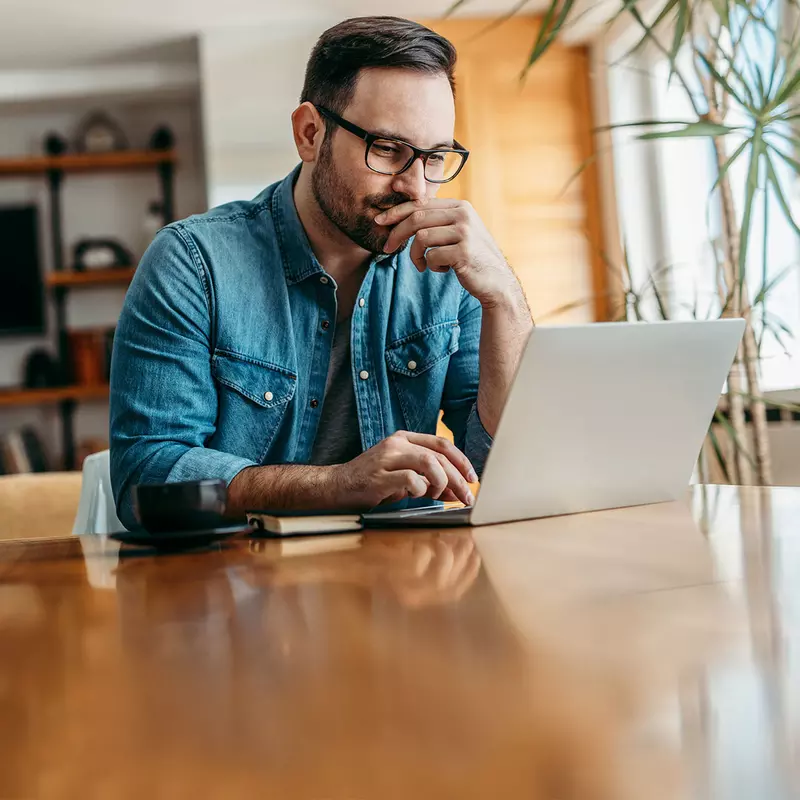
265, 384
417, 353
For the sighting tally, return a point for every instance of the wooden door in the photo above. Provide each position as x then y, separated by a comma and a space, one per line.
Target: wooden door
527, 141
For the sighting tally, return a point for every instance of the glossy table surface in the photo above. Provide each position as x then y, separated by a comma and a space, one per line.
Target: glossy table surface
650, 652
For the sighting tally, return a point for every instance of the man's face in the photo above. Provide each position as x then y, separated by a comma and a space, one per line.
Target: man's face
398, 104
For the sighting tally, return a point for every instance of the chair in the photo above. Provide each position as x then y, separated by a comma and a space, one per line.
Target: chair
96, 510
38, 505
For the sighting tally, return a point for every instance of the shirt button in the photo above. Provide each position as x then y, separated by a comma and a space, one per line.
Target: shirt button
323, 279
314, 403
363, 375
268, 396
412, 365
362, 302
325, 324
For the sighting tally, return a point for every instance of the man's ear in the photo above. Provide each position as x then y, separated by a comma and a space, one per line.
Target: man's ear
308, 129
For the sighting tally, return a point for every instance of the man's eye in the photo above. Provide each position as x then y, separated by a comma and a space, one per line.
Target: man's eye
385, 149
436, 158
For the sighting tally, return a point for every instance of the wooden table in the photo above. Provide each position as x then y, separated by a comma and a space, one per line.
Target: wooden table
642, 653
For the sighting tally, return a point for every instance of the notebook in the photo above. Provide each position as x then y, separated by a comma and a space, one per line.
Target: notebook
293, 525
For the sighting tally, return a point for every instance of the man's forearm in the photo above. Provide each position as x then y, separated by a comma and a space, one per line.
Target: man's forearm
505, 327
286, 487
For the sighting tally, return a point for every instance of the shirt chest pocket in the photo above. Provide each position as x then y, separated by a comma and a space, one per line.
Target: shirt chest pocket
253, 398
418, 365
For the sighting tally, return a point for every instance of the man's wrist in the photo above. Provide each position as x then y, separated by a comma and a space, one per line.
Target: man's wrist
507, 300
291, 487
331, 486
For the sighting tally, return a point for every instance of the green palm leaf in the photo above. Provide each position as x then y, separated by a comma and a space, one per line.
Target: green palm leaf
733, 69
793, 163
649, 35
496, 23
776, 326
692, 130
552, 24
768, 285
772, 179
786, 90
723, 12
454, 7
773, 72
682, 24
729, 163
767, 402
644, 123
756, 151
663, 313
723, 82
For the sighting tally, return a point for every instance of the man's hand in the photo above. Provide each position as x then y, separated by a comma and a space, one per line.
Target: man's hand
404, 465
449, 234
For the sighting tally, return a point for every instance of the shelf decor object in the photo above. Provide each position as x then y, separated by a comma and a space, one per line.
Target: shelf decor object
90, 255
99, 133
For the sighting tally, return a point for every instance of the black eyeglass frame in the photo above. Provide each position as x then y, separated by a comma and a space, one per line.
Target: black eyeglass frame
417, 152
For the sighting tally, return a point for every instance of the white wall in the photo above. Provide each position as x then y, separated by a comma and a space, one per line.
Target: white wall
251, 81
97, 205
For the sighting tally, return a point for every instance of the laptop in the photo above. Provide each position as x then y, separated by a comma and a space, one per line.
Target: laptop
599, 416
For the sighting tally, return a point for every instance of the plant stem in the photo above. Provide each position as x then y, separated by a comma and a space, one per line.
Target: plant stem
747, 355
757, 408
737, 303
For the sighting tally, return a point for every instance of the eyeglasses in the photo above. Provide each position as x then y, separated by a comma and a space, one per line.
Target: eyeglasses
393, 156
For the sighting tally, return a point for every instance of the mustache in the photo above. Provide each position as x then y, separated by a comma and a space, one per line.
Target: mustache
387, 201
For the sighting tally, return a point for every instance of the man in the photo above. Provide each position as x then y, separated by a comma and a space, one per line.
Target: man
300, 345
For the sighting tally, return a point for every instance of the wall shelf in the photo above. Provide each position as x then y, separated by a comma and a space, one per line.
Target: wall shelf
55, 169
100, 277
59, 394
86, 162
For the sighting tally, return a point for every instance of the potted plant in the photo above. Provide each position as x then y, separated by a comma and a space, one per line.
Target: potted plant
715, 50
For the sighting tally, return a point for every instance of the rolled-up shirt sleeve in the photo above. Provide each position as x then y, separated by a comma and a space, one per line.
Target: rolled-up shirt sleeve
460, 397
164, 404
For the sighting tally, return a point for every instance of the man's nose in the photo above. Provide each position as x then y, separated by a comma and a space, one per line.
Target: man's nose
412, 182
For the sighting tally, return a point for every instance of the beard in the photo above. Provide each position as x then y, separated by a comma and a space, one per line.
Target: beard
353, 217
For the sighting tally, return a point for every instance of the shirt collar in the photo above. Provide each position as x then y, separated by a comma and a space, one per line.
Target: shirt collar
299, 261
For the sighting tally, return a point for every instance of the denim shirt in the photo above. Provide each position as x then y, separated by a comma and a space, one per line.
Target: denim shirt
221, 355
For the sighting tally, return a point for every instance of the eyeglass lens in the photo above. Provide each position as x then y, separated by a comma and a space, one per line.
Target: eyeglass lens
389, 158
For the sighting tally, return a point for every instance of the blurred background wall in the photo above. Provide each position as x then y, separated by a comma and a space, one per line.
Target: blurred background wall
225, 81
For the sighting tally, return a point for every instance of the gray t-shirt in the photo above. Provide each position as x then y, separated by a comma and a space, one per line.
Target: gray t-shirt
338, 437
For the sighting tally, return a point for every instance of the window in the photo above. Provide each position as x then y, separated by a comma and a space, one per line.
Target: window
671, 225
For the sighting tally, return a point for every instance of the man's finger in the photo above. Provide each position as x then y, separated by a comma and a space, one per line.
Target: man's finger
427, 464
441, 259
431, 237
439, 471
456, 481
399, 212
446, 448
419, 219
409, 483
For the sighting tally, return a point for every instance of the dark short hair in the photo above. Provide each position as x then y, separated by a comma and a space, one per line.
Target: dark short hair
366, 42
